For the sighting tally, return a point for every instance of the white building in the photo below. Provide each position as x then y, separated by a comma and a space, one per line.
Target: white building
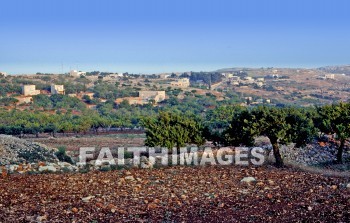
57, 89
29, 90
329, 76
259, 84
227, 75
157, 96
3, 74
183, 82
75, 73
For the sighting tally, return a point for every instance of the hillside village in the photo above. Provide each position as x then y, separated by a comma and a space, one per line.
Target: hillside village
303, 87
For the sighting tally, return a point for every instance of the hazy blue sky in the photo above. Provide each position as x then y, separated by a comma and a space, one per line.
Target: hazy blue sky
164, 35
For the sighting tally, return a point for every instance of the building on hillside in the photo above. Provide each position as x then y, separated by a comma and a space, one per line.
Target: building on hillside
3, 74
57, 89
227, 75
29, 90
144, 97
183, 82
75, 73
248, 78
329, 76
157, 96
164, 76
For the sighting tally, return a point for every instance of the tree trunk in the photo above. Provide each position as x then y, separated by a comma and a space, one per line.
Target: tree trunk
277, 154
340, 152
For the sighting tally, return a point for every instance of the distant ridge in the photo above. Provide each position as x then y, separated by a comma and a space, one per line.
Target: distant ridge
341, 69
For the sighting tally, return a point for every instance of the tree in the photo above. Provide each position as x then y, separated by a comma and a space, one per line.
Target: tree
171, 129
335, 119
280, 125
217, 120
6, 101
42, 101
239, 132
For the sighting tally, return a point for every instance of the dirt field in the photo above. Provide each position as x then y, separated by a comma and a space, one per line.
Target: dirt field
176, 194
74, 143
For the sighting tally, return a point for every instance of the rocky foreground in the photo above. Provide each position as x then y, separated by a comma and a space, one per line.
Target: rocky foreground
176, 194
18, 151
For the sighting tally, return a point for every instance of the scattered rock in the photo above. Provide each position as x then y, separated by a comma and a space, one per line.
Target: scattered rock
75, 210
248, 180
17, 151
47, 169
131, 178
87, 199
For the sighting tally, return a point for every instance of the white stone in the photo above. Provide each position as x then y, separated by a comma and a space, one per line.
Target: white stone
47, 169
13, 168
130, 178
87, 199
248, 179
146, 165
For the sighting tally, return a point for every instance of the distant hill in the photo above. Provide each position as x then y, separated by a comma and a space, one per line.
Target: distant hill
344, 69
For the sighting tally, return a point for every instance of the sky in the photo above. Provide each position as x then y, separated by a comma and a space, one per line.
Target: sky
154, 36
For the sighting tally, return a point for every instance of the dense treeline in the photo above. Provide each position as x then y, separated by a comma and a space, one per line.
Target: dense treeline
238, 126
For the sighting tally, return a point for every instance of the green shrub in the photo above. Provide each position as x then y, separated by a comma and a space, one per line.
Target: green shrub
62, 155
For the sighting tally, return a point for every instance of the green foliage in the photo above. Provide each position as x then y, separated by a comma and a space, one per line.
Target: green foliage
62, 155
335, 119
6, 101
280, 125
239, 132
217, 120
173, 129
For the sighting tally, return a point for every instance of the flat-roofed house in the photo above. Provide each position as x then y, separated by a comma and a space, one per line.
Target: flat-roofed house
57, 89
75, 73
29, 90
144, 97
157, 96
183, 82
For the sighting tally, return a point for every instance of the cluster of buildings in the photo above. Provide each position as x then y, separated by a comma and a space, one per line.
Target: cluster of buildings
237, 81
30, 90
145, 97
327, 77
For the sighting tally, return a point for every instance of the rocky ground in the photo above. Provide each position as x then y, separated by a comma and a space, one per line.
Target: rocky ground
17, 151
176, 194
68, 193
